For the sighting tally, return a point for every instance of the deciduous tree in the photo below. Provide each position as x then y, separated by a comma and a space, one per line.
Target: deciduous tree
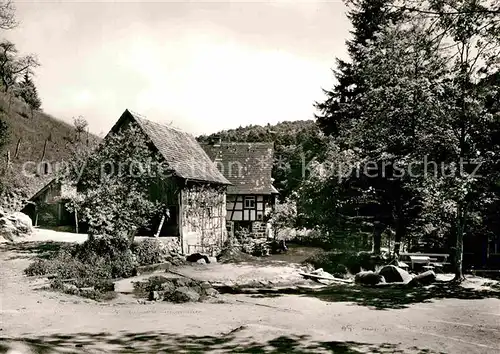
7, 15
116, 188
12, 65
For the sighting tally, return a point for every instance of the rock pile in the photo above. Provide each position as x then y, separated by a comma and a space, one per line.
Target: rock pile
393, 274
174, 258
14, 225
368, 278
425, 278
176, 290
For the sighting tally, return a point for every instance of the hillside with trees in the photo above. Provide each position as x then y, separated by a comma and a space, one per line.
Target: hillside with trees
31, 141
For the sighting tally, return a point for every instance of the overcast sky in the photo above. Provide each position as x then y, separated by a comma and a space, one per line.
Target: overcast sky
202, 66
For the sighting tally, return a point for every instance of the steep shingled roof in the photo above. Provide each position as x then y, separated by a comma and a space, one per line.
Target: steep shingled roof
179, 149
248, 166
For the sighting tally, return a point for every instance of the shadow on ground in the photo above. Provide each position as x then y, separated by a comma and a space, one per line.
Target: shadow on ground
156, 342
400, 297
380, 298
41, 249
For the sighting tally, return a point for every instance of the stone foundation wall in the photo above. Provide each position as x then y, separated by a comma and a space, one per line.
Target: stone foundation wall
172, 243
259, 229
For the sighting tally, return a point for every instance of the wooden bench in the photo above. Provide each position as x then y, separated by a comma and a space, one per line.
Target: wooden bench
419, 260
430, 260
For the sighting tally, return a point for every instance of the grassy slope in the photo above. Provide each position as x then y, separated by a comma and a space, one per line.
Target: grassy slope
33, 130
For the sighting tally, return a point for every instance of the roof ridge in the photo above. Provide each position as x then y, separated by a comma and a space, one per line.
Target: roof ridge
137, 114
143, 117
179, 149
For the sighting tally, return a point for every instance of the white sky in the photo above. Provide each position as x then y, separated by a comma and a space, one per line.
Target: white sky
202, 66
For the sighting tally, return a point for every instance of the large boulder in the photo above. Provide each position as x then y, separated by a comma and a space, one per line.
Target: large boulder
22, 222
197, 257
154, 295
207, 290
8, 231
424, 278
368, 278
393, 274
15, 225
168, 287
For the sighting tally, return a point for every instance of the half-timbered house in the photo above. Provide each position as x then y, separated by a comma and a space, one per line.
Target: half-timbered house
251, 196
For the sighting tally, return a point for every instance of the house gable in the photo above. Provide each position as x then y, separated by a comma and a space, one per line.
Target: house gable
248, 166
180, 150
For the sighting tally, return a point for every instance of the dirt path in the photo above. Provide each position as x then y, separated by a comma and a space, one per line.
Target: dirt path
44, 320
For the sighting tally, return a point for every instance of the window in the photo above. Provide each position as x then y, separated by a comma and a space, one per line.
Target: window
249, 202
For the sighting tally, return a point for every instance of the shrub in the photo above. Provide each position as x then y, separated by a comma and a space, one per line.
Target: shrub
150, 251
242, 235
89, 266
312, 238
39, 267
123, 266
110, 256
104, 246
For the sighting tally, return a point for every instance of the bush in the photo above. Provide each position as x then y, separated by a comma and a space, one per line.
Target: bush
150, 251
104, 246
312, 238
110, 255
39, 267
89, 266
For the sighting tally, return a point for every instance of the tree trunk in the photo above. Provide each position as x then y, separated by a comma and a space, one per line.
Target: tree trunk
10, 99
44, 150
76, 221
399, 236
377, 238
17, 148
7, 163
458, 243
131, 236
458, 258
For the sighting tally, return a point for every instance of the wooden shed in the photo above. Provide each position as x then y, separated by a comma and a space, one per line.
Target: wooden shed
47, 207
